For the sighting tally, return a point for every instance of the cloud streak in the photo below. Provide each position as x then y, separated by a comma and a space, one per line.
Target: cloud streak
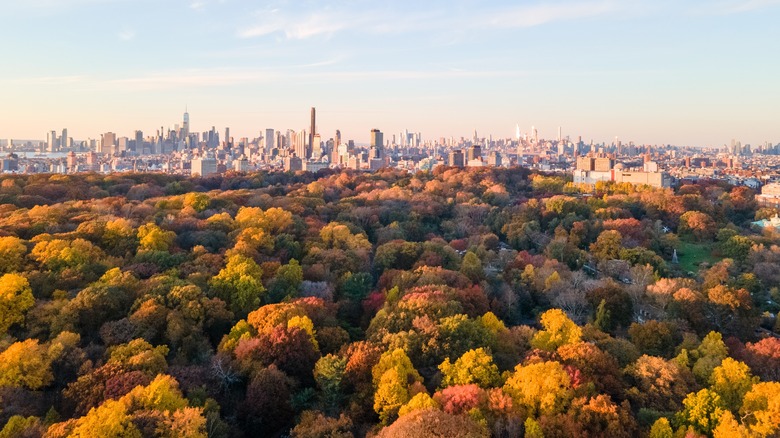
297, 25
126, 35
736, 7
214, 78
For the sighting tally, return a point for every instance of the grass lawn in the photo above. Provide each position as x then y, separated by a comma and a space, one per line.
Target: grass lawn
692, 254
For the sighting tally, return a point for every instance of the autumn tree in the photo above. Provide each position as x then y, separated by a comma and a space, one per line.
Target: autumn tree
731, 380
393, 376
543, 387
761, 409
431, 423
315, 424
702, 411
763, 357
659, 384
25, 364
12, 251
153, 238
474, 367
16, 299
267, 406
558, 330
697, 225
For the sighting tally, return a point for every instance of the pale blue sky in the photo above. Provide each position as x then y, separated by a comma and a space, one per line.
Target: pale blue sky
696, 72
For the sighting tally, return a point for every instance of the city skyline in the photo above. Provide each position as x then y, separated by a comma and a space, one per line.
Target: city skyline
696, 74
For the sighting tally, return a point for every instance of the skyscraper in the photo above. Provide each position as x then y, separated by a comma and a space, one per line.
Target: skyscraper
52, 141
312, 128
377, 143
107, 143
64, 140
139, 141
270, 137
186, 126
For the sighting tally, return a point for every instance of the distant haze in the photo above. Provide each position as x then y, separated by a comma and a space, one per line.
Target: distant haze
698, 72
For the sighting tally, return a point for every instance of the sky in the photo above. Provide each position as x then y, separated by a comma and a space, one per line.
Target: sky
683, 72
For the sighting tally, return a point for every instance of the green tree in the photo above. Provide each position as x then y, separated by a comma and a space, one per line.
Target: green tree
602, 319
329, 375
286, 282
710, 353
239, 284
471, 267
607, 246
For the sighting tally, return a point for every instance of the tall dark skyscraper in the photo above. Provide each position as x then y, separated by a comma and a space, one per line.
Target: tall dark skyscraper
377, 143
313, 128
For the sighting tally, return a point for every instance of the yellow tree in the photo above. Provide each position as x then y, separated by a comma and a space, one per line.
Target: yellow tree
732, 380
153, 238
12, 252
392, 392
16, 299
543, 388
761, 409
336, 235
558, 330
109, 419
25, 364
393, 376
702, 410
475, 366
420, 401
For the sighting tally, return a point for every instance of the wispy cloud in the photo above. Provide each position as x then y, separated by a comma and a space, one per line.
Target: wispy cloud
223, 77
738, 6
51, 80
302, 27
126, 35
544, 13
50, 6
327, 21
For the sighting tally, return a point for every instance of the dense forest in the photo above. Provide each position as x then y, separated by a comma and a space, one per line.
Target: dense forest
453, 303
